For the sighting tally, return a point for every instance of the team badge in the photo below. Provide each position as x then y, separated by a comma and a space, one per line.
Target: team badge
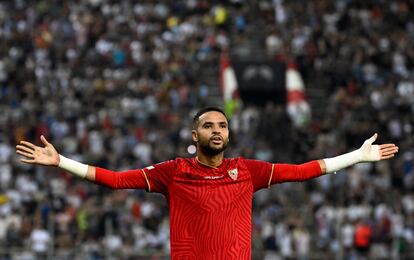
233, 173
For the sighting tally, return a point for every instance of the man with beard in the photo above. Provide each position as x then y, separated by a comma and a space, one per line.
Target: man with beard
209, 196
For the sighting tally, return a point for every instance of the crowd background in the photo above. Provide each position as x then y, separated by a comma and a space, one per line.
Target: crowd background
115, 84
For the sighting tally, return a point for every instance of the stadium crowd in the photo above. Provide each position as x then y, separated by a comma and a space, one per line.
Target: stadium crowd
115, 84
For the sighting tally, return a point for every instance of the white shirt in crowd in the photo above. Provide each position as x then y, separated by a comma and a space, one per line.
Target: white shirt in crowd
40, 240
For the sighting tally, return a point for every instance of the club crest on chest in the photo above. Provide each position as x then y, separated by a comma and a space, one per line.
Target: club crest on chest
233, 173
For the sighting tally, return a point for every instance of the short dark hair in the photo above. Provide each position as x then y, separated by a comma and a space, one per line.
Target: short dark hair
205, 110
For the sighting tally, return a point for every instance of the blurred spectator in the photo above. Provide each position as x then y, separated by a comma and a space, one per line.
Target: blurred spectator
363, 238
40, 240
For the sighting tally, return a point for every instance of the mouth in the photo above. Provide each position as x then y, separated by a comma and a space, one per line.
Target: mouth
216, 140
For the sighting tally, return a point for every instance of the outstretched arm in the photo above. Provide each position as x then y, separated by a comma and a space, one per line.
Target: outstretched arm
265, 174
368, 152
48, 156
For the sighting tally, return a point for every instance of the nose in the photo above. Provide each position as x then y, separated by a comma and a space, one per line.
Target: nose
216, 130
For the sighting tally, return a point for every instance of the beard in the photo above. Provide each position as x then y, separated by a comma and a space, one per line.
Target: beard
208, 149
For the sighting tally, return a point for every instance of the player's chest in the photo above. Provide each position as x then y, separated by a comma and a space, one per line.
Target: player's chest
203, 187
211, 176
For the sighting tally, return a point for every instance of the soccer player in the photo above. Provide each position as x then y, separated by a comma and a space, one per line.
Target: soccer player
209, 196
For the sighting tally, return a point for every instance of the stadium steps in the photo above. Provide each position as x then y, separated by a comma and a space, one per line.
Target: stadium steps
252, 46
317, 96
210, 77
246, 47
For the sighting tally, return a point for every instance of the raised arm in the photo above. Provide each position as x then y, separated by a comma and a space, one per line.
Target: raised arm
266, 174
368, 152
48, 156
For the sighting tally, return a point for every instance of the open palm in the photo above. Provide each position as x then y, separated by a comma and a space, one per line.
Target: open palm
373, 152
34, 154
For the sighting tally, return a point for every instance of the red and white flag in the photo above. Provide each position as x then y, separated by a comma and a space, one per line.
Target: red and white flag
297, 106
228, 81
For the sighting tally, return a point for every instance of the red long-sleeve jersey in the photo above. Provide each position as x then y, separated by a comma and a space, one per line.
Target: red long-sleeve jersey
210, 208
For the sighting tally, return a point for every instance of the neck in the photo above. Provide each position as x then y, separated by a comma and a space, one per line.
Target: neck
210, 161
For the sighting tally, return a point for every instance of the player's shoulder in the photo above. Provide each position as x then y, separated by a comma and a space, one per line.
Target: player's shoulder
181, 160
184, 162
235, 161
250, 162
238, 159
169, 164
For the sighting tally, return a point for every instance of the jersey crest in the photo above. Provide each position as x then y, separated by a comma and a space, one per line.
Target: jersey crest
233, 173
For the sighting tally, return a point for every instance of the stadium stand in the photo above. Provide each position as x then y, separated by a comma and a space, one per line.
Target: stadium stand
115, 84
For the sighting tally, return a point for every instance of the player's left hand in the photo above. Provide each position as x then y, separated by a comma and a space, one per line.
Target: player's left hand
374, 152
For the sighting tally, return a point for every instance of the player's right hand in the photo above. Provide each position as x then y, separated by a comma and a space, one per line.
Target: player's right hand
34, 154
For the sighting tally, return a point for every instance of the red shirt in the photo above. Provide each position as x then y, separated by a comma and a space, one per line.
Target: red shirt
210, 208
363, 233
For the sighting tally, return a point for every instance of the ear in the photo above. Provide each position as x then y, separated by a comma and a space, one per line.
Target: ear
194, 135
